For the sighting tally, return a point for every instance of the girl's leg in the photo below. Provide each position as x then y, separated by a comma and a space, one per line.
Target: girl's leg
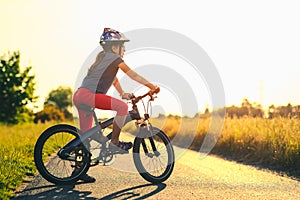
117, 126
106, 102
84, 96
85, 120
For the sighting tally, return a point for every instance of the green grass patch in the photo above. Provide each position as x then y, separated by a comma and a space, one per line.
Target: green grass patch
16, 155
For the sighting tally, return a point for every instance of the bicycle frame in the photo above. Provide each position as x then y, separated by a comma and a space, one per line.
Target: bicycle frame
85, 135
132, 115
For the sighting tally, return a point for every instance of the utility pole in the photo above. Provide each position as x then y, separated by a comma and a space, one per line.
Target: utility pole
261, 96
261, 92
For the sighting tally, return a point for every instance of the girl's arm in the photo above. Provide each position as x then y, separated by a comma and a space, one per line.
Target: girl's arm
118, 87
135, 76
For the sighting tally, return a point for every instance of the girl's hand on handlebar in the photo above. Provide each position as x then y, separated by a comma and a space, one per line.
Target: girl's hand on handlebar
127, 96
155, 90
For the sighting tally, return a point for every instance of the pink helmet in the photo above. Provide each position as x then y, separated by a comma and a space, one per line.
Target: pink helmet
111, 35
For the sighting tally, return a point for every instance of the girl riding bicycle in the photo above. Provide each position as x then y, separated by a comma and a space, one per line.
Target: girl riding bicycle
101, 75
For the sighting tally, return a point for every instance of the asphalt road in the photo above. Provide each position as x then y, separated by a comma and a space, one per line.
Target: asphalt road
192, 178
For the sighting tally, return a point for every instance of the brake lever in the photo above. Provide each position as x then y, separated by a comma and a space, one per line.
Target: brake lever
151, 98
132, 96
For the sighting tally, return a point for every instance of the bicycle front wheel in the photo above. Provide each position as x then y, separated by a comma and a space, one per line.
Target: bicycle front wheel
153, 155
50, 165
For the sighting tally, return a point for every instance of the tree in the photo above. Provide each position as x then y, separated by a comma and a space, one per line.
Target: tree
49, 113
16, 89
61, 98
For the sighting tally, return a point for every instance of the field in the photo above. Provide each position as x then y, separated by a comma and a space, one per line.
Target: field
272, 143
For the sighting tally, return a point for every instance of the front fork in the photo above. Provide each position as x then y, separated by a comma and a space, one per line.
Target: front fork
152, 143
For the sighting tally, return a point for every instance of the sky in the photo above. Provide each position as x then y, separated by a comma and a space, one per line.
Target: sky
254, 45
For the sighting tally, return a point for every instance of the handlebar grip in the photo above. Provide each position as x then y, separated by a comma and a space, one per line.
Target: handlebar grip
157, 89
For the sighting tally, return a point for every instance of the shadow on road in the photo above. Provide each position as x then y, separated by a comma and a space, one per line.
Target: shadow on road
133, 192
68, 192
53, 192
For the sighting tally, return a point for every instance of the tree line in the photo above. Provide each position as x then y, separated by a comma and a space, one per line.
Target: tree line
248, 109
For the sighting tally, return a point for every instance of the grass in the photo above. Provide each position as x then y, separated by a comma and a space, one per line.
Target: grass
271, 143
16, 155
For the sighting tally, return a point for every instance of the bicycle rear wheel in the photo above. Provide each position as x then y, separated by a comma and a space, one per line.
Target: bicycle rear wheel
153, 155
53, 168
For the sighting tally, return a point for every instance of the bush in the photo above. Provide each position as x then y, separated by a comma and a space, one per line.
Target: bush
50, 113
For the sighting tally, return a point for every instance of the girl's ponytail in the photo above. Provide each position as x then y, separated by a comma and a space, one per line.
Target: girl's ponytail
99, 57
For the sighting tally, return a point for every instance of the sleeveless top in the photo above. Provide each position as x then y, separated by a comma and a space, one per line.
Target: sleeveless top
103, 75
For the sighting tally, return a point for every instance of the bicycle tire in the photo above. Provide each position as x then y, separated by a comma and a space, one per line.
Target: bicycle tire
48, 163
162, 171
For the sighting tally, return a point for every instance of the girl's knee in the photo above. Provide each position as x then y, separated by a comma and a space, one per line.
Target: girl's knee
123, 109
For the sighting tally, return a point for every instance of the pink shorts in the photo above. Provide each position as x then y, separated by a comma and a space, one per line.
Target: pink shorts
100, 101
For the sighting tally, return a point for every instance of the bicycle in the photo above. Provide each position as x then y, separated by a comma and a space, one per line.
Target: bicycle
62, 147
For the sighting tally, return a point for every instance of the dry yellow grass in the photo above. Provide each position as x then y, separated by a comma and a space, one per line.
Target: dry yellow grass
272, 143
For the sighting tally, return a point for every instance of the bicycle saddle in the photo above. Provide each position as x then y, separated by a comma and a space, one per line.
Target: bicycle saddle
86, 107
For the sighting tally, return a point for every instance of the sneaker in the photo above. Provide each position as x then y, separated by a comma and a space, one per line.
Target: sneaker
87, 179
122, 147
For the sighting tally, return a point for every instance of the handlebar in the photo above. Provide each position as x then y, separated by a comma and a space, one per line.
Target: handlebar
135, 99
